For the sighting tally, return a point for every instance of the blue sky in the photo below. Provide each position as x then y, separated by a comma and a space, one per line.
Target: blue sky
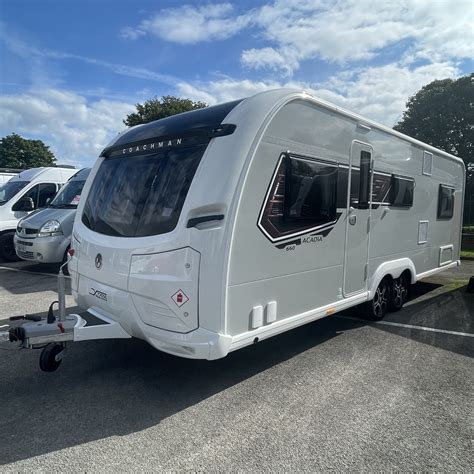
71, 70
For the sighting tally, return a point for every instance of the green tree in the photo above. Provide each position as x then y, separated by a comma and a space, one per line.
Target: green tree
155, 109
442, 114
19, 152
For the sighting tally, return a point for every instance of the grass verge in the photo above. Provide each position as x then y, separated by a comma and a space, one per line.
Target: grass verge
467, 254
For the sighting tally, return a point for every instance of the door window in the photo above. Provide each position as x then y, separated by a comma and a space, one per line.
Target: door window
33, 194
41, 193
46, 193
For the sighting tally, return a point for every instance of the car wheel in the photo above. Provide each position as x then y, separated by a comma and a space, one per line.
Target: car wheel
399, 292
7, 249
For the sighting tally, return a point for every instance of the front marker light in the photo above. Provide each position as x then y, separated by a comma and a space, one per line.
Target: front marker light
50, 229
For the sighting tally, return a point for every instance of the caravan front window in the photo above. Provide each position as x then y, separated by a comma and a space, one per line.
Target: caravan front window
137, 196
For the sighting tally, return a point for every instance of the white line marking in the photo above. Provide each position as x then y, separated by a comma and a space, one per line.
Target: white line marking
32, 273
408, 326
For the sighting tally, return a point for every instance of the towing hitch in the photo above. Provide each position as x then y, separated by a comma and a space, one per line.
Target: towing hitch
51, 334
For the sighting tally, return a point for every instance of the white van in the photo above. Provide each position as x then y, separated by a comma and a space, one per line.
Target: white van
211, 230
6, 174
29, 190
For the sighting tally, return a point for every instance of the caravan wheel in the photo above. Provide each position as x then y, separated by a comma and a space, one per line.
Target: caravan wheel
377, 308
399, 292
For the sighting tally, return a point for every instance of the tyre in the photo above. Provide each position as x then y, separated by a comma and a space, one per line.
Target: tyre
399, 292
377, 308
7, 249
48, 362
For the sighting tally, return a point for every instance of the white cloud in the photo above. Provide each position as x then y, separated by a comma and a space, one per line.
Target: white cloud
76, 129
354, 30
378, 93
189, 24
339, 32
269, 58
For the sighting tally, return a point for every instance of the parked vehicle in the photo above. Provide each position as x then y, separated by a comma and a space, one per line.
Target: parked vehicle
211, 230
29, 190
6, 174
45, 236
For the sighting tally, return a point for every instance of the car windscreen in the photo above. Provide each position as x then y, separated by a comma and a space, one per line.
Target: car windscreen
69, 195
141, 195
9, 189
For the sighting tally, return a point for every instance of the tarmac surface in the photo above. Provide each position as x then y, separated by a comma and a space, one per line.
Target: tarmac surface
339, 394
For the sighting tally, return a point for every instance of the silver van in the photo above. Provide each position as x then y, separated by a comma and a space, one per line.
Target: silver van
44, 236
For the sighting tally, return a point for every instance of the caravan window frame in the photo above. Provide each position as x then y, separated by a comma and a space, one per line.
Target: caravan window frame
441, 215
403, 204
294, 225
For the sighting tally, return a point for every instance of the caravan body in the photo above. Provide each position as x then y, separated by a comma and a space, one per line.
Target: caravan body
207, 231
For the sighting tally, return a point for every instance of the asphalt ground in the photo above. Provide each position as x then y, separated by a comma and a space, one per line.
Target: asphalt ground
339, 394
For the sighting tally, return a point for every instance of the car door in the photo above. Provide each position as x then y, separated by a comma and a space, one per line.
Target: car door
39, 194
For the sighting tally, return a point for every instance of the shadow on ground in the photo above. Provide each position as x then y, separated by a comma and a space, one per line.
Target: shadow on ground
16, 282
116, 387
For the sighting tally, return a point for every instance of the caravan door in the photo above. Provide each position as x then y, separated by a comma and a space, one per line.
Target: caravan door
359, 200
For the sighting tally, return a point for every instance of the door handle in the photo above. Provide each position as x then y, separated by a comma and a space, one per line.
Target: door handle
193, 222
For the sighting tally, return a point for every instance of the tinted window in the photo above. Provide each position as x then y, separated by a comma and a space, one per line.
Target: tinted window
381, 188
137, 196
69, 195
311, 191
47, 192
364, 178
33, 194
302, 196
445, 202
401, 192
179, 124
8, 190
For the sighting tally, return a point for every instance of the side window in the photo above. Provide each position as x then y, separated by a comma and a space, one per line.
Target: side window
46, 191
381, 188
445, 202
33, 194
302, 196
401, 192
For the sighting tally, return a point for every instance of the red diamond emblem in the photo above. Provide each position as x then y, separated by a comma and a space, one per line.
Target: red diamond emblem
180, 298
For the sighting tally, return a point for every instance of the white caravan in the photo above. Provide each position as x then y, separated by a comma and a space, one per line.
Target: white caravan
27, 191
210, 230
